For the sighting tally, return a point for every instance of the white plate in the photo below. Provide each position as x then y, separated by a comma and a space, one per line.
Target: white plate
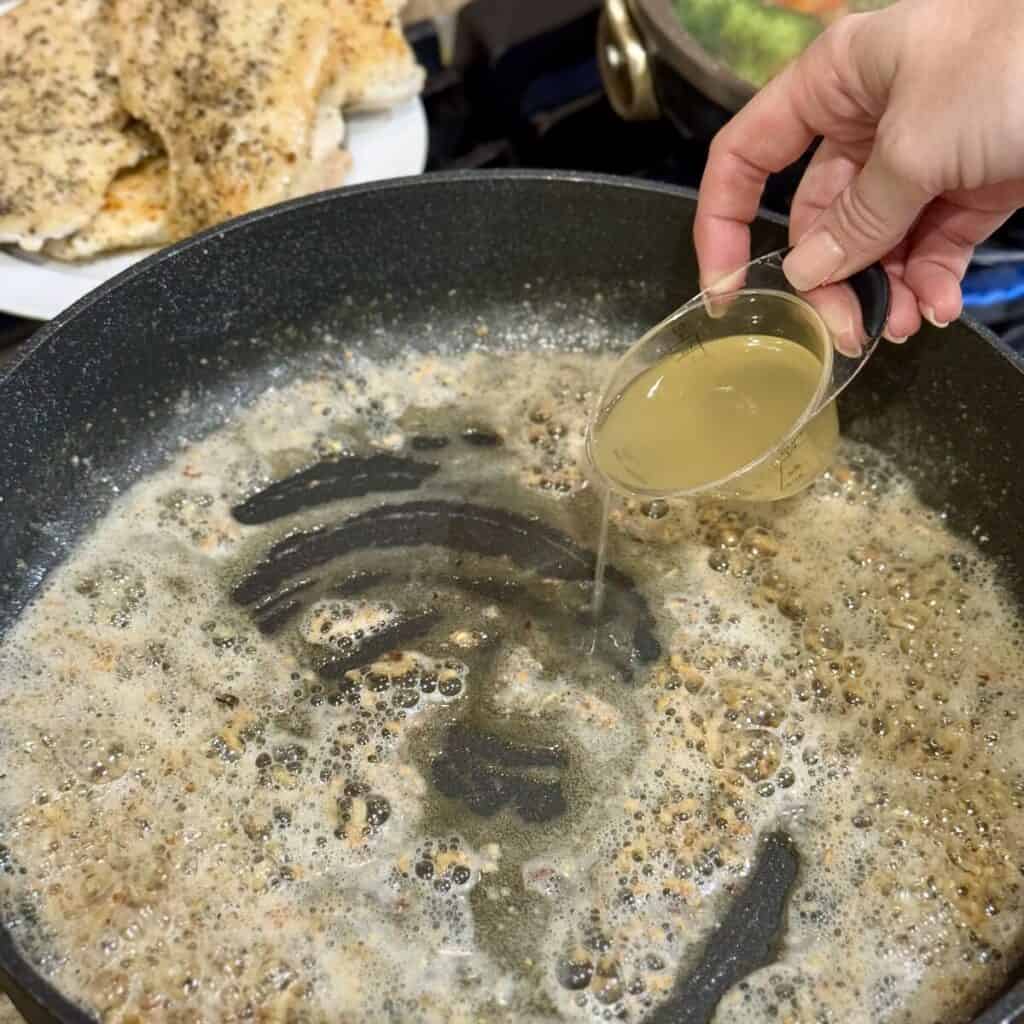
385, 145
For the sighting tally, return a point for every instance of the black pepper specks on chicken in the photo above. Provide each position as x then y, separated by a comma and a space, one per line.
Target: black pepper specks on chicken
133, 123
64, 133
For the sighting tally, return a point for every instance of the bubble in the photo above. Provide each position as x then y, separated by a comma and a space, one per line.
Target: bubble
793, 608
822, 639
655, 509
606, 984
854, 666
909, 617
756, 753
575, 975
378, 810
760, 543
450, 687
719, 561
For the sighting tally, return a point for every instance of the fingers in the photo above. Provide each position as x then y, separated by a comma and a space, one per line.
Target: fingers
865, 222
935, 270
839, 310
764, 137
832, 168
819, 94
904, 315
943, 242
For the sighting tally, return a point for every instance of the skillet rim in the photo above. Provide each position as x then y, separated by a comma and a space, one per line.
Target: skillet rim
535, 175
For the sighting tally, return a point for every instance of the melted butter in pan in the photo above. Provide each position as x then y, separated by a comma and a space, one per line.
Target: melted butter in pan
307, 728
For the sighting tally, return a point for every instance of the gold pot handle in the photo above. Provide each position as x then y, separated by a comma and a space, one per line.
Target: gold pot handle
625, 68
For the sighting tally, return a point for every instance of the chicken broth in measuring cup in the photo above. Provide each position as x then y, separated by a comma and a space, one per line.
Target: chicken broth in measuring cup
701, 416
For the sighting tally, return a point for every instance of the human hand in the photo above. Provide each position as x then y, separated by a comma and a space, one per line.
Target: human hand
922, 153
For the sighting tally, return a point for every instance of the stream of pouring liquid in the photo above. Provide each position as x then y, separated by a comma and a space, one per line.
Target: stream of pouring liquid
602, 561
699, 416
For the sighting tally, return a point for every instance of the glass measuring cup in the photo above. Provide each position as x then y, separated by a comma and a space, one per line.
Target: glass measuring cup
839, 325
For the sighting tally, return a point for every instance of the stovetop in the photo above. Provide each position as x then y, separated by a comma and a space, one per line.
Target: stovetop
522, 89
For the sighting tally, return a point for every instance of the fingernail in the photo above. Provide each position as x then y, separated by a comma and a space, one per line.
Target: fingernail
845, 336
722, 282
929, 314
841, 326
848, 345
814, 260
717, 294
715, 306
896, 341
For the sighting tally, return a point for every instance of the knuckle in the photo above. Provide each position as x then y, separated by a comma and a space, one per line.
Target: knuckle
901, 154
840, 39
961, 240
719, 147
859, 220
834, 55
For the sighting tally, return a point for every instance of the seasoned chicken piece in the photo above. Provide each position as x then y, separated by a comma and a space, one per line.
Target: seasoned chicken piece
232, 89
251, 116
376, 67
135, 211
63, 128
133, 215
329, 164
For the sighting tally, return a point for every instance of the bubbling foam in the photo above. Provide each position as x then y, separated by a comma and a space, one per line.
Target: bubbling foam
219, 812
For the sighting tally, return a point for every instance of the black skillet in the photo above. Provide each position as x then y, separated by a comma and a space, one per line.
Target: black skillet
376, 266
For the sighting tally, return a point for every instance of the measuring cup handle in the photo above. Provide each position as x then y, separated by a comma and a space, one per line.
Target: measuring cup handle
871, 286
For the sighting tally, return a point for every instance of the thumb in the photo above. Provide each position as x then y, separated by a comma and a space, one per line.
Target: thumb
864, 223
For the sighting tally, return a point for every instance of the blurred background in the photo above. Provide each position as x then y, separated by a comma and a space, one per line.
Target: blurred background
634, 87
